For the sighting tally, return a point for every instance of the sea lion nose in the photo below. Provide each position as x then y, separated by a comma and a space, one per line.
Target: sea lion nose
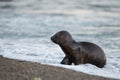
52, 38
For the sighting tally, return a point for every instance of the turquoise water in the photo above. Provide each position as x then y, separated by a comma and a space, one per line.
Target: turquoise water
27, 25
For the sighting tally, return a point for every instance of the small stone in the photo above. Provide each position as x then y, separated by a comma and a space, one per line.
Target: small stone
37, 78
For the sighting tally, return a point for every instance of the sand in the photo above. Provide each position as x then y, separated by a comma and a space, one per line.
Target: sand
11, 69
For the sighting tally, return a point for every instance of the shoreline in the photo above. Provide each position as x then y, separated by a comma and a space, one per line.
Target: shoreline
11, 69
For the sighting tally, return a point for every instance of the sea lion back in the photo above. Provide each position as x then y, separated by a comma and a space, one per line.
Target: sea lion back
95, 54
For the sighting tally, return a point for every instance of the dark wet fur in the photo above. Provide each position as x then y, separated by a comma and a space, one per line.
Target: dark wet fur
79, 52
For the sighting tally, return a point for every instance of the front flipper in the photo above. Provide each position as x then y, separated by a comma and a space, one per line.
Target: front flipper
66, 61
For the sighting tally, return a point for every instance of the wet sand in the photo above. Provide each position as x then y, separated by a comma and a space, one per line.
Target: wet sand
11, 69
5, 0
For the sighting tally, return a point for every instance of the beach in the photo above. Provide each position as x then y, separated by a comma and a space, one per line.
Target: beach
11, 69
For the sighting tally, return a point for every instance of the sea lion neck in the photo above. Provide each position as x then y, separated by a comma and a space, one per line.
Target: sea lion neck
68, 44
68, 48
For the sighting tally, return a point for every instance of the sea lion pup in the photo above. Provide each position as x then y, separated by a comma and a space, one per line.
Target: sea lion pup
79, 52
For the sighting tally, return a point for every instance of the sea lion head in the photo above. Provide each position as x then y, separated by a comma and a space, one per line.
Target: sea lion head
61, 37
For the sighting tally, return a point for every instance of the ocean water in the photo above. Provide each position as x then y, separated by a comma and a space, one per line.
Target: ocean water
27, 25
